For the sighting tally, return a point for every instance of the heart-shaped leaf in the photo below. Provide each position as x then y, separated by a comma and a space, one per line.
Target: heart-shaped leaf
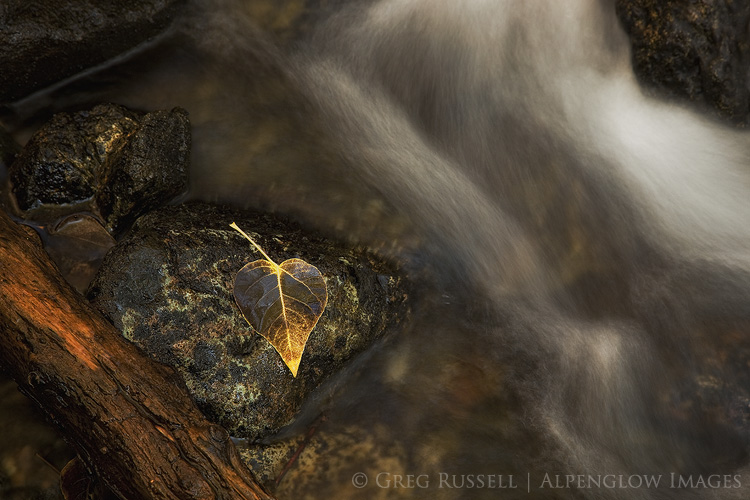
282, 302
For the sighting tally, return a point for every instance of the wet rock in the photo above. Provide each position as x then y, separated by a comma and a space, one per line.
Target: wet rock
151, 168
45, 41
168, 287
695, 49
110, 161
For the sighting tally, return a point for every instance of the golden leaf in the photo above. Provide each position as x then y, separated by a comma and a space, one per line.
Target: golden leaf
282, 302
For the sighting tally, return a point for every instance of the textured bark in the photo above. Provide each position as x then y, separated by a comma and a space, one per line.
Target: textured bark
130, 418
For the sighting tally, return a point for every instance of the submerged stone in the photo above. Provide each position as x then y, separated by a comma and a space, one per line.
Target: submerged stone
168, 286
77, 244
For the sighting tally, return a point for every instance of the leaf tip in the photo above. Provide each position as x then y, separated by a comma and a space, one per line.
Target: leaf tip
293, 366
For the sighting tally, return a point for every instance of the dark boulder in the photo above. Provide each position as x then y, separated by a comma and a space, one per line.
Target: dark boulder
45, 41
109, 161
693, 49
168, 286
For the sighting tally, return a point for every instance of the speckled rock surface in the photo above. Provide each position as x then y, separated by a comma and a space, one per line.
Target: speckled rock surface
168, 287
694, 49
329, 463
44, 41
109, 160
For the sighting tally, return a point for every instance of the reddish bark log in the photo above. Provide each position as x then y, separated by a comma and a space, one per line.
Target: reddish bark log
130, 418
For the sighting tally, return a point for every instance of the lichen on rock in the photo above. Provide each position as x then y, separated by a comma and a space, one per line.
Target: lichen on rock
693, 49
168, 287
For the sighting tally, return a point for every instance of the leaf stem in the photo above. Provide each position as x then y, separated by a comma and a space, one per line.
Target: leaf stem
236, 227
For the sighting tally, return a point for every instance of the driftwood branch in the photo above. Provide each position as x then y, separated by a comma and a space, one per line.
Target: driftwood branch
130, 418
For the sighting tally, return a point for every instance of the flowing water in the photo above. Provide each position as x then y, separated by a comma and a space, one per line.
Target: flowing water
580, 251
